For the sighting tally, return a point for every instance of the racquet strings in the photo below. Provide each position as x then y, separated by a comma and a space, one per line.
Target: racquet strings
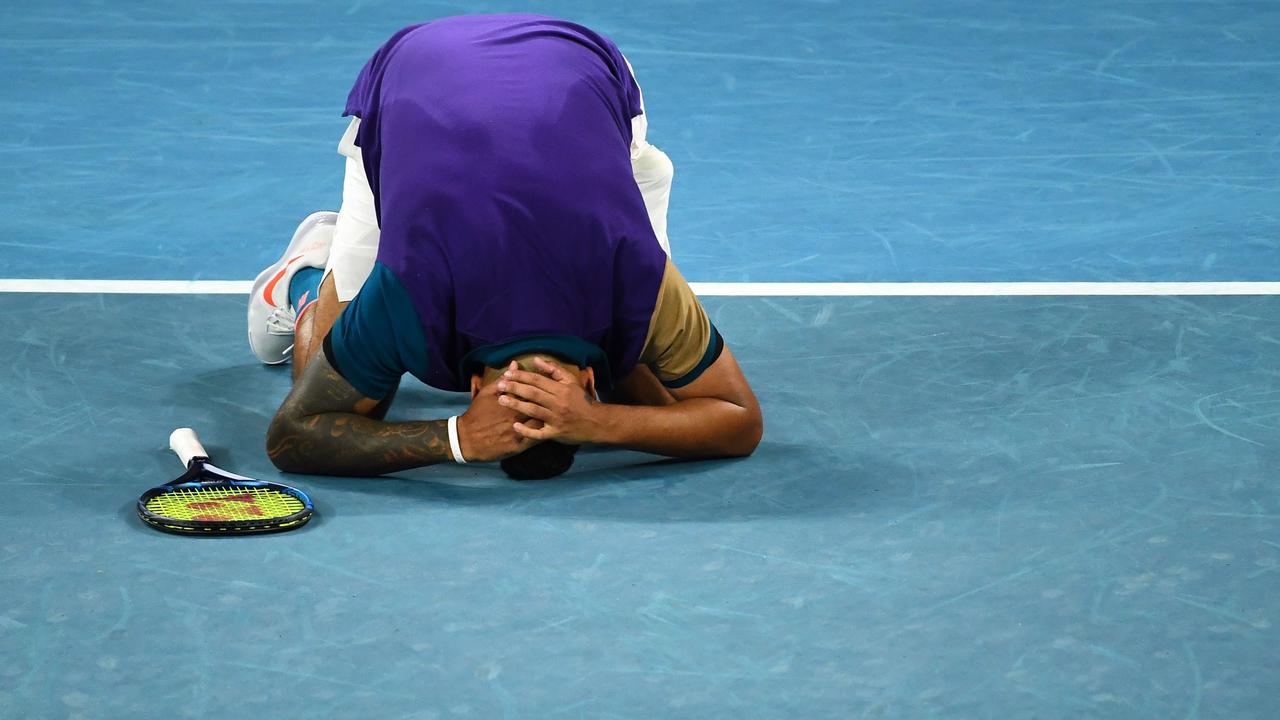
224, 504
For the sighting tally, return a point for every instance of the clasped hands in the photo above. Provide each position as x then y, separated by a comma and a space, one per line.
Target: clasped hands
525, 408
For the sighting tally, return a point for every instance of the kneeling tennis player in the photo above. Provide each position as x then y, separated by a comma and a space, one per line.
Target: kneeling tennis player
519, 253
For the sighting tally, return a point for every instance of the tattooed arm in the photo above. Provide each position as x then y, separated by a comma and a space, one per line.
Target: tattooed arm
327, 427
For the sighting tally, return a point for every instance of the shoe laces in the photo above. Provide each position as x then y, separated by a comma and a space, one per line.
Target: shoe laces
281, 321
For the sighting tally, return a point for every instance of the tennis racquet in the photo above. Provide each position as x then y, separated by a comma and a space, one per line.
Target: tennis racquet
207, 500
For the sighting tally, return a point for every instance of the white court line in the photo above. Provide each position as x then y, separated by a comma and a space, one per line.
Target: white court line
986, 289
710, 289
127, 287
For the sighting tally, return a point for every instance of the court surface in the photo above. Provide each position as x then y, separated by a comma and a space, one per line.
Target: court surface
963, 507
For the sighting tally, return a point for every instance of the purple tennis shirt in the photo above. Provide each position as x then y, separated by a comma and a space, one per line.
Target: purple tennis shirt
498, 151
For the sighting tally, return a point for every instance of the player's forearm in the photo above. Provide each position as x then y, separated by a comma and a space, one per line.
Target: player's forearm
696, 427
326, 427
351, 444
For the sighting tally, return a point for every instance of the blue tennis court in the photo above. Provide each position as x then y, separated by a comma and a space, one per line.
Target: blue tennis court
1001, 506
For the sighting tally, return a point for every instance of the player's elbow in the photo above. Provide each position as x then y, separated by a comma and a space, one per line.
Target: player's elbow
755, 431
748, 433
286, 443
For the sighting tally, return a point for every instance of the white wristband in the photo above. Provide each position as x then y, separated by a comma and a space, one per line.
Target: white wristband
454, 445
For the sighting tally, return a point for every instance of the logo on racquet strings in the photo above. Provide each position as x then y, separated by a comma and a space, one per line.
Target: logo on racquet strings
237, 505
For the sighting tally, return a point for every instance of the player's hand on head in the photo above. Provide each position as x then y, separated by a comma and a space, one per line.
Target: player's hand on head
485, 430
557, 406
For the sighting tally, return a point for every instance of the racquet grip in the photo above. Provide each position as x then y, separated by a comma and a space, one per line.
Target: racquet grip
184, 443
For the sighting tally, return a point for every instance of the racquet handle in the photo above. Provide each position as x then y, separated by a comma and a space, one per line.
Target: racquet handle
184, 443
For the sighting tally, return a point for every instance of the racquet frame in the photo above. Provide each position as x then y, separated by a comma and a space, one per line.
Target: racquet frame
201, 474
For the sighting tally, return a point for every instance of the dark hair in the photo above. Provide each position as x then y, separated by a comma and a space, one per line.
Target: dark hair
540, 462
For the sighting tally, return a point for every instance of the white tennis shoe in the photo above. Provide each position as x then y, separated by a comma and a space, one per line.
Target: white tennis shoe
271, 320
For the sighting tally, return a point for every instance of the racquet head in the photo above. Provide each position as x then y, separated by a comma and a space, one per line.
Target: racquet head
207, 500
